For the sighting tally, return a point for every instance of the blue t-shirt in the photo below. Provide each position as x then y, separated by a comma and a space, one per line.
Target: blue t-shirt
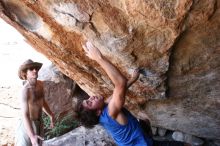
124, 135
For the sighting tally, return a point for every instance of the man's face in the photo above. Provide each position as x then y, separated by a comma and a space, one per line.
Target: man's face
93, 103
32, 72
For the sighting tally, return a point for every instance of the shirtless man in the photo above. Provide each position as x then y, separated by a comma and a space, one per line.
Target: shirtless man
30, 128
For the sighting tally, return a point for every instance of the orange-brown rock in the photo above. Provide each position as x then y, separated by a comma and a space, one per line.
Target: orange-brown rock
175, 41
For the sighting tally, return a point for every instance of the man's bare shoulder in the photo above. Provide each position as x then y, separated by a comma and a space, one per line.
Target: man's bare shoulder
24, 92
40, 83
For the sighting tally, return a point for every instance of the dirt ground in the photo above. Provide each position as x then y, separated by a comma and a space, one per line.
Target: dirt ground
9, 112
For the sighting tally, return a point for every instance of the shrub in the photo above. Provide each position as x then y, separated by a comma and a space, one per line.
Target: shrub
61, 126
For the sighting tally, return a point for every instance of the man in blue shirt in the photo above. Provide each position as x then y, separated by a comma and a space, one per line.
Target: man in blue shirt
119, 122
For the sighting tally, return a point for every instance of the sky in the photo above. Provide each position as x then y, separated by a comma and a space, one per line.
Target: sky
13, 52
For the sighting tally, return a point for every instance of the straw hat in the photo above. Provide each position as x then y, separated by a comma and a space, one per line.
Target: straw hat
27, 64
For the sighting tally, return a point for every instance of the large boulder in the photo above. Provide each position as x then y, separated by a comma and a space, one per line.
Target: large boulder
176, 43
81, 136
59, 90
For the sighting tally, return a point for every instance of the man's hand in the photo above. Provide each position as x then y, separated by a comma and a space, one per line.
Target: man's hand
91, 51
135, 74
134, 77
34, 140
52, 121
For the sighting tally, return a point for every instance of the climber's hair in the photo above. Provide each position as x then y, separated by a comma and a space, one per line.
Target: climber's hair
87, 118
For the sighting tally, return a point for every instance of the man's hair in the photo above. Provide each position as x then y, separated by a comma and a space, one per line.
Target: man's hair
88, 118
24, 74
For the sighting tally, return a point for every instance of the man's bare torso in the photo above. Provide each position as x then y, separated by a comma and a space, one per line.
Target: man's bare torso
35, 97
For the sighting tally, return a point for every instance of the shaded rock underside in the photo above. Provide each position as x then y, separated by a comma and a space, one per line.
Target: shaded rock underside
176, 43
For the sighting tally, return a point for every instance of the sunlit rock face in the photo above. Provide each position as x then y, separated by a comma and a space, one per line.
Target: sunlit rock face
176, 43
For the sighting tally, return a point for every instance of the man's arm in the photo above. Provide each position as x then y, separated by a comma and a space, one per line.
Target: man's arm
26, 118
119, 81
130, 82
45, 107
47, 110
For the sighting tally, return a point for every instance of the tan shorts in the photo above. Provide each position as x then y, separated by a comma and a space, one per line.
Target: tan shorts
21, 137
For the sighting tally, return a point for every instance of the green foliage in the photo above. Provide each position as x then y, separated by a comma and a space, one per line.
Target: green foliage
61, 126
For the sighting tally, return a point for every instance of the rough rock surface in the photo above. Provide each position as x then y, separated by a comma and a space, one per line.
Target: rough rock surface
57, 85
175, 42
81, 136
